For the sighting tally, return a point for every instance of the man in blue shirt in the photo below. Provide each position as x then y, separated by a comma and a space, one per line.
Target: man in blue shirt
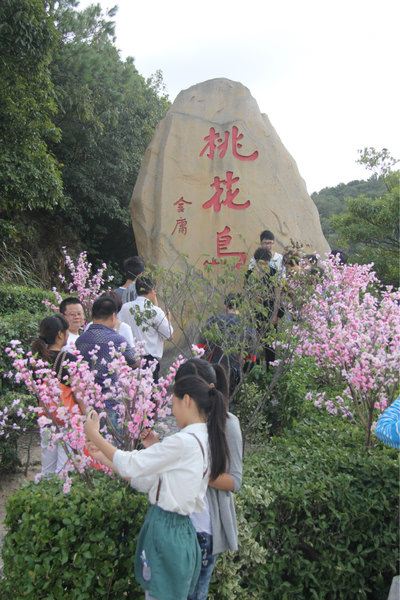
100, 333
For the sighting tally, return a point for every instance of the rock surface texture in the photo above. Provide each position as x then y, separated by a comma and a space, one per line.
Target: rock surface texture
214, 176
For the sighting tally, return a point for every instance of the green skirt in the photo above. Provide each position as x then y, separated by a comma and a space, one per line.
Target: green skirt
168, 557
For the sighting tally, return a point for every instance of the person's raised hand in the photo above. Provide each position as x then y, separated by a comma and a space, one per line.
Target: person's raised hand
149, 437
93, 450
98, 455
92, 423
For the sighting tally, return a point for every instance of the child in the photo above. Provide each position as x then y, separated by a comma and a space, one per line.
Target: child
216, 525
175, 474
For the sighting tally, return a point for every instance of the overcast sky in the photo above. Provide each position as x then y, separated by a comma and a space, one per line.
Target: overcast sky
326, 73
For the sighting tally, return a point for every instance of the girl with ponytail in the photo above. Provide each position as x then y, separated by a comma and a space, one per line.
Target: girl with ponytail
53, 334
216, 525
175, 474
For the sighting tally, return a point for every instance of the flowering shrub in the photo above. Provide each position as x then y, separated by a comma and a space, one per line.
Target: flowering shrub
137, 401
352, 329
83, 284
334, 406
15, 420
9, 417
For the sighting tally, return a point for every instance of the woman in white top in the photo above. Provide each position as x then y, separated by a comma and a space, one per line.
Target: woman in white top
175, 475
216, 525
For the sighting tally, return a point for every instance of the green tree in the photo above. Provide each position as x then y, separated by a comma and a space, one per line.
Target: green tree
369, 227
30, 176
380, 162
70, 106
332, 201
107, 113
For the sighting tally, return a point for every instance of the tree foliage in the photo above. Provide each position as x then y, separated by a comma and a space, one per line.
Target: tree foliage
29, 174
380, 162
72, 102
369, 227
332, 201
362, 216
107, 114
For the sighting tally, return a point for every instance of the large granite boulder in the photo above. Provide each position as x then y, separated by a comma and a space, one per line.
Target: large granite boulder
213, 177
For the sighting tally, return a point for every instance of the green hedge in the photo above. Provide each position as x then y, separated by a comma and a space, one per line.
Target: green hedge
21, 325
318, 518
9, 460
284, 405
79, 545
18, 297
21, 310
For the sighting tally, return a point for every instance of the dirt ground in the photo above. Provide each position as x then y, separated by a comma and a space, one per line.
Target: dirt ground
12, 482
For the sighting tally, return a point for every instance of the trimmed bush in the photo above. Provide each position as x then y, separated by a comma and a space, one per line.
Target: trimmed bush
80, 545
320, 515
317, 520
21, 325
284, 405
17, 297
9, 460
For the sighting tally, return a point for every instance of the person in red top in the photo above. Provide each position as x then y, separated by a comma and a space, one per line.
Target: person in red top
53, 333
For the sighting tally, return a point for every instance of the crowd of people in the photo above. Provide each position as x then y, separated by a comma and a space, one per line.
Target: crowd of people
190, 476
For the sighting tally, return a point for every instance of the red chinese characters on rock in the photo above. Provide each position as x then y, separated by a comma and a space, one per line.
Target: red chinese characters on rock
181, 225
225, 194
223, 241
180, 204
215, 143
216, 200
